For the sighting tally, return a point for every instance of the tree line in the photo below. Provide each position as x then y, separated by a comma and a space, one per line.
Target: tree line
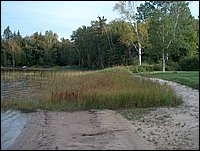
155, 32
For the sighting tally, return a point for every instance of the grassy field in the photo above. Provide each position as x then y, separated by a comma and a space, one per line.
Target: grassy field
189, 78
113, 88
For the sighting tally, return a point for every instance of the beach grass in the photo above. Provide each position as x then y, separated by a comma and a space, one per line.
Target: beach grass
112, 88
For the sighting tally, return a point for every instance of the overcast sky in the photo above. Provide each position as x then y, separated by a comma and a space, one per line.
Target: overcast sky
62, 17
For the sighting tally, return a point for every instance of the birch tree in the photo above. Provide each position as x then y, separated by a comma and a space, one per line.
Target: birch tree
128, 10
169, 22
12, 48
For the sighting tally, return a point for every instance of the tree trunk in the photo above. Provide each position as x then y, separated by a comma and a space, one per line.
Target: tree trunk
79, 57
4, 58
13, 60
88, 59
88, 55
167, 58
140, 54
99, 52
13, 54
163, 60
130, 57
100, 56
139, 44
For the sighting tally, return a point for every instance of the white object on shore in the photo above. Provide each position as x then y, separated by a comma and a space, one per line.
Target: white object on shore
24, 67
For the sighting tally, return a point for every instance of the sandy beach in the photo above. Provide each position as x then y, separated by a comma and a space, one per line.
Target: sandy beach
85, 130
175, 127
163, 128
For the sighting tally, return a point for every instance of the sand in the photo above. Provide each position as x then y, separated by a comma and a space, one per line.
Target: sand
163, 128
175, 127
85, 130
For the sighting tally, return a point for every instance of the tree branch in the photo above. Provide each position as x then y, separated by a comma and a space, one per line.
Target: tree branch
144, 51
134, 46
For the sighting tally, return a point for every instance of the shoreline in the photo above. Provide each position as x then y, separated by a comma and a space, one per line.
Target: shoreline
91, 130
173, 127
163, 128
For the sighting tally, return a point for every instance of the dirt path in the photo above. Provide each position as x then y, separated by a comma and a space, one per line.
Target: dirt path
86, 130
173, 128
163, 128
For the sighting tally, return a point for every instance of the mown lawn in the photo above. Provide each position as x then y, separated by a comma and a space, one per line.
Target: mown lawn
189, 78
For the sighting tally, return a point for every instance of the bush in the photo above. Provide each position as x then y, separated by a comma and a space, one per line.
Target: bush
172, 66
189, 63
157, 67
144, 68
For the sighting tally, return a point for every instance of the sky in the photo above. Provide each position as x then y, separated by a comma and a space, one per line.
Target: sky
62, 17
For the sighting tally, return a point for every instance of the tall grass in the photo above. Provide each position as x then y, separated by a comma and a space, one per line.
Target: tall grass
113, 88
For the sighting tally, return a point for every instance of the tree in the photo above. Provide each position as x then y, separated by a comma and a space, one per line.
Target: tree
15, 51
124, 33
20, 56
11, 48
169, 21
90, 43
50, 52
28, 49
38, 47
99, 32
128, 10
7, 34
105, 30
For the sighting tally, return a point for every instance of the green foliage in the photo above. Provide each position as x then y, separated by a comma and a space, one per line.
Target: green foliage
189, 63
170, 28
157, 67
135, 35
172, 66
157, 27
144, 68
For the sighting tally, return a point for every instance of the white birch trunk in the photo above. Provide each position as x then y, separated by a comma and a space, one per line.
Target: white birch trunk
140, 54
163, 54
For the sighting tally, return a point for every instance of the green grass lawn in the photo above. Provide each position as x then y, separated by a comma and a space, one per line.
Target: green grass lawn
189, 78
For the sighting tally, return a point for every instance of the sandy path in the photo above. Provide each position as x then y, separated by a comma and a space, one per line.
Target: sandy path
163, 128
85, 130
173, 128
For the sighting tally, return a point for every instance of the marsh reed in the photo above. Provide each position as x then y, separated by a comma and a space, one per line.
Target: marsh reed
112, 88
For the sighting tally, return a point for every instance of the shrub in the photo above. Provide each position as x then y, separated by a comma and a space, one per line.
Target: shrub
172, 66
189, 63
157, 67
145, 68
